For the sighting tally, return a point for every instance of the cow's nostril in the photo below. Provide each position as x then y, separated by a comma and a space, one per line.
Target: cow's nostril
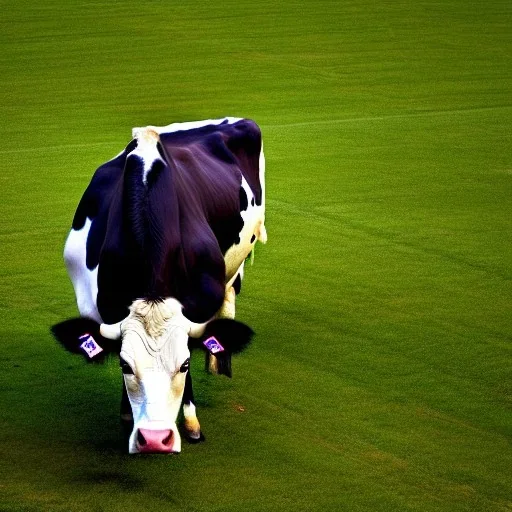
141, 439
168, 439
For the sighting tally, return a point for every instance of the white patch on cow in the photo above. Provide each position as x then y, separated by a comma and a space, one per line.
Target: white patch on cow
189, 410
146, 149
155, 389
262, 175
155, 408
192, 425
253, 230
85, 281
157, 316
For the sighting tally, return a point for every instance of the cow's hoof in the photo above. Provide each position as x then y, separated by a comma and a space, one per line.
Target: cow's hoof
192, 430
194, 437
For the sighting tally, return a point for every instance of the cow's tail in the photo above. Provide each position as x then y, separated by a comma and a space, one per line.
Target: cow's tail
261, 233
261, 236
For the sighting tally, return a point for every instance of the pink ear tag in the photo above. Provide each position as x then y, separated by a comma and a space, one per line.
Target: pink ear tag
89, 345
213, 346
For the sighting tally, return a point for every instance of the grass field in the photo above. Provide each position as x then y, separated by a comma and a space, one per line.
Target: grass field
380, 378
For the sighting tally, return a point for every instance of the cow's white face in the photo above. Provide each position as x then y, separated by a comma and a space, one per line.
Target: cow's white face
155, 361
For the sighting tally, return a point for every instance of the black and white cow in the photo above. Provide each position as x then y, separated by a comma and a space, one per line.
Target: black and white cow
156, 255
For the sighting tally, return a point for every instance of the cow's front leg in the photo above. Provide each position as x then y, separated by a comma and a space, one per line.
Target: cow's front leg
126, 415
193, 432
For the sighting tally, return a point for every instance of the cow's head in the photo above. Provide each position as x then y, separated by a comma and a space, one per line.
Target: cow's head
153, 345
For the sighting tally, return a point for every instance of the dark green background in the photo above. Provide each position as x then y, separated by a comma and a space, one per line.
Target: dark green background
380, 378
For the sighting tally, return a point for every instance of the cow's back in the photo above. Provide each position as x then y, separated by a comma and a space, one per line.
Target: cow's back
164, 227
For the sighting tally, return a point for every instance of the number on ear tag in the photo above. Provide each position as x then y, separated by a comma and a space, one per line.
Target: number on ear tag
89, 345
213, 346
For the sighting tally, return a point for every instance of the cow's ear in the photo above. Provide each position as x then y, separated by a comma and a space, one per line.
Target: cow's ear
228, 335
222, 338
82, 336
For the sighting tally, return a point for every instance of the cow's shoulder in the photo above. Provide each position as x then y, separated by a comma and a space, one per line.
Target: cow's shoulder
96, 205
99, 192
232, 147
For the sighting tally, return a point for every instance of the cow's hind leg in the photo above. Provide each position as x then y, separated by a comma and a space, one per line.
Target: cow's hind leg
193, 432
226, 311
228, 307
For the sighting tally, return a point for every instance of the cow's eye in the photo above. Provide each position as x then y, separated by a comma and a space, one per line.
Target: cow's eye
185, 366
125, 367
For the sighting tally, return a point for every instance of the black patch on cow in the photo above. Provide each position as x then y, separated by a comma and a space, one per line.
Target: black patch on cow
237, 284
119, 280
123, 266
123, 269
243, 200
179, 255
68, 334
126, 407
95, 240
95, 204
245, 143
252, 201
127, 265
238, 143
204, 295
160, 150
157, 167
98, 193
253, 237
209, 186
134, 201
228, 232
216, 144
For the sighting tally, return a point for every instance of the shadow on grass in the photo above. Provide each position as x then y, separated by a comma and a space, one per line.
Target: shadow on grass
122, 480
55, 399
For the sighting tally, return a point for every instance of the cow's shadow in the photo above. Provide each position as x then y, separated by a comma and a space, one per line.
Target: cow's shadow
90, 391
95, 413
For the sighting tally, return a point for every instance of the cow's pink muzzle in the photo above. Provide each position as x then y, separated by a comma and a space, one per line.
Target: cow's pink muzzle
155, 441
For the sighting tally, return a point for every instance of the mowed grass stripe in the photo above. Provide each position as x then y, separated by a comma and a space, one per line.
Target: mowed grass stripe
267, 127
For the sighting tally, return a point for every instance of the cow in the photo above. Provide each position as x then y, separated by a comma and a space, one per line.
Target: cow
156, 257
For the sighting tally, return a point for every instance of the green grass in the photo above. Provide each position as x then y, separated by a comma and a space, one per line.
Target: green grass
381, 377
